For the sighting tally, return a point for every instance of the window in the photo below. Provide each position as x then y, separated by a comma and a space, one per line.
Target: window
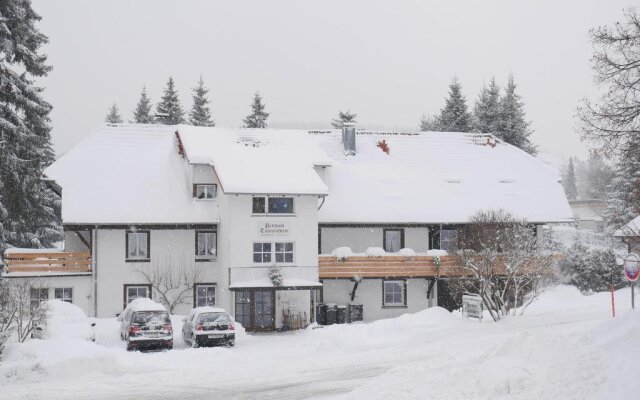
38, 295
394, 293
262, 252
393, 240
138, 245
206, 244
64, 294
272, 205
284, 252
132, 292
448, 239
243, 308
280, 252
204, 191
205, 295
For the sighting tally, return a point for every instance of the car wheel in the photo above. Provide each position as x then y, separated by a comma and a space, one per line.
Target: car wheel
231, 343
129, 346
194, 343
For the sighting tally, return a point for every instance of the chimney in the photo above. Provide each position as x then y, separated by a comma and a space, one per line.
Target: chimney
349, 139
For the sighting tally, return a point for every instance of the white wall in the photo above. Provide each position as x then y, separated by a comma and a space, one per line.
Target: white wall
369, 293
360, 238
81, 286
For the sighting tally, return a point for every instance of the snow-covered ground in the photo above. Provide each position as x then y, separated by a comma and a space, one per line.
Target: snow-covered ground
566, 346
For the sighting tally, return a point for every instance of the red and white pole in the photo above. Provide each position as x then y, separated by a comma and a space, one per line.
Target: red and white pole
613, 302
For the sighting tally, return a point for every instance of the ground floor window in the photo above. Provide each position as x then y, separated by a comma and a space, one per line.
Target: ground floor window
132, 292
243, 308
64, 294
37, 295
205, 295
394, 293
255, 309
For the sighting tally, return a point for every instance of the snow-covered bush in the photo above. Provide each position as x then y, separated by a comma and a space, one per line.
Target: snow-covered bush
375, 252
407, 252
275, 274
17, 313
342, 253
592, 269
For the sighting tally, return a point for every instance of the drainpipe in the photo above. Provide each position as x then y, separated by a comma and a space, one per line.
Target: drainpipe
322, 203
94, 272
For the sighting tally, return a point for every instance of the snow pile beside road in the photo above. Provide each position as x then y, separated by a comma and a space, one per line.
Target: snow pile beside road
67, 321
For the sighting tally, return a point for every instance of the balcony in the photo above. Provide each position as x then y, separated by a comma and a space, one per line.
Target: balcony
301, 277
46, 261
388, 266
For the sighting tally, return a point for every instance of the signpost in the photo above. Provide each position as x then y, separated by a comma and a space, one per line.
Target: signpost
472, 306
631, 267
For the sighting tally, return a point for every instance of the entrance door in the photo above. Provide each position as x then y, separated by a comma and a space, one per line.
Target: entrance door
264, 307
255, 309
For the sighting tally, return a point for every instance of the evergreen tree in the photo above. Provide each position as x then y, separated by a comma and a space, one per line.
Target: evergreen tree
258, 117
200, 114
113, 116
142, 113
598, 177
455, 117
513, 127
169, 109
344, 118
487, 108
569, 182
29, 211
623, 200
429, 123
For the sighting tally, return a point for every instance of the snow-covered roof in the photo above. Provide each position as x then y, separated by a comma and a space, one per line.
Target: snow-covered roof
128, 174
258, 161
431, 177
588, 210
630, 229
208, 309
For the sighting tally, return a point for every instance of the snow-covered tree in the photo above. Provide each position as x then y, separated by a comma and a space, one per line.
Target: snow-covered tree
429, 123
486, 110
598, 176
592, 269
613, 123
113, 116
623, 200
569, 181
508, 265
513, 126
200, 114
142, 114
455, 117
258, 117
29, 210
345, 117
169, 111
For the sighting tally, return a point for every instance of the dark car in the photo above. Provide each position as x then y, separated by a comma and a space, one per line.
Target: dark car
208, 326
145, 325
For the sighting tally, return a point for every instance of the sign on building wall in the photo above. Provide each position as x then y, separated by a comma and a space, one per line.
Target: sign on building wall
274, 229
472, 306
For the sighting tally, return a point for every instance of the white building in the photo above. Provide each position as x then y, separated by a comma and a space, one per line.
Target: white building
225, 206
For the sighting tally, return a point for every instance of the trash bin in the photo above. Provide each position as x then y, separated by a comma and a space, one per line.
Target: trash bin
332, 313
321, 314
341, 317
356, 313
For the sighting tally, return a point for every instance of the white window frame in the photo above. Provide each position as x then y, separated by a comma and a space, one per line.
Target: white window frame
147, 248
66, 294
210, 191
215, 245
127, 287
403, 294
207, 286
284, 252
273, 253
262, 253
40, 298
267, 199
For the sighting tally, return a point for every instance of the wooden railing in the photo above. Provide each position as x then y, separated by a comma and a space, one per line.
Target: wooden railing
395, 266
47, 262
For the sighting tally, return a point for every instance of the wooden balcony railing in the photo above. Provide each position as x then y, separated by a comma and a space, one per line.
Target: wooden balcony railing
389, 266
47, 262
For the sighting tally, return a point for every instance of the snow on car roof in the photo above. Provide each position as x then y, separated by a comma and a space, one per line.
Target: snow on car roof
258, 161
436, 177
200, 310
145, 304
128, 174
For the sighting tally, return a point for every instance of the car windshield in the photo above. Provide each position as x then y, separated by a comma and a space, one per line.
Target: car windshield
211, 317
145, 317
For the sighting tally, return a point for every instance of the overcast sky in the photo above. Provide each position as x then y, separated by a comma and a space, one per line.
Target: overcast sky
390, 62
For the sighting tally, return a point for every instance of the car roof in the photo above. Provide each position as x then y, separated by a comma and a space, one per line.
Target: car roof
145, 304
200, 310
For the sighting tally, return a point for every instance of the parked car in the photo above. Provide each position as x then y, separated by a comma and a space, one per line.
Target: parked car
208, 326
64, 320
146, 325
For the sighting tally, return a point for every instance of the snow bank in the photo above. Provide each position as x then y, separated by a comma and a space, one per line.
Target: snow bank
67, 321
375, 251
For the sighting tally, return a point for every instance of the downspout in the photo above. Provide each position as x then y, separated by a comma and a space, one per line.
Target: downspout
94, 272
322, 203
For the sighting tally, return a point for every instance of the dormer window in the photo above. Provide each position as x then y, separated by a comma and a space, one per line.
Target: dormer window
272, 205
204, 191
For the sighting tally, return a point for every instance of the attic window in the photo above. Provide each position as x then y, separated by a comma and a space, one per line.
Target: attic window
204, 191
